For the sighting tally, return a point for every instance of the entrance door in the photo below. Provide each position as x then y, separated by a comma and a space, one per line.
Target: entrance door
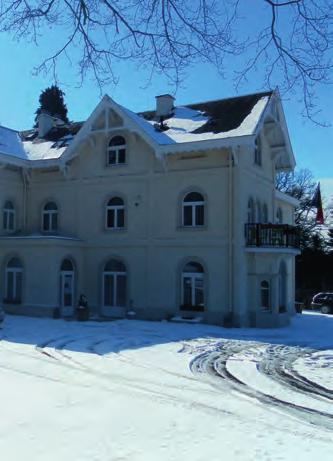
67, 293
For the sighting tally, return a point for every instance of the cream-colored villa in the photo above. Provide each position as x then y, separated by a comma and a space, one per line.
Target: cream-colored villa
170, 213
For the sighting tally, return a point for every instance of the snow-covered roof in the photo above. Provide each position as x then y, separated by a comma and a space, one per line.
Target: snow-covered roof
10, 143
209, 121
220, 119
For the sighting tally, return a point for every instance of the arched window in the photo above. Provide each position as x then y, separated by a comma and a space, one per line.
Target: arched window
265, 295
114, 284
67, 285
264, 213
257, 151
193, 210
13, 281
9, 217
251, 212
50, 217
116, 153
192, 287
115, 213
279, 216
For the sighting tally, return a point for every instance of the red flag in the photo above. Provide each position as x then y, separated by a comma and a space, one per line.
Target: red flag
317, 203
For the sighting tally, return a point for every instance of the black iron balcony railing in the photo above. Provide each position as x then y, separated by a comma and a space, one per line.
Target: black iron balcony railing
272, 235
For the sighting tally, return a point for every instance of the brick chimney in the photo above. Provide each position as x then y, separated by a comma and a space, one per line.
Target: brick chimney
164, 105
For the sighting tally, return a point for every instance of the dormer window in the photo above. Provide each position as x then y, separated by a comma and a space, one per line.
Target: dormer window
116, 153
257, 151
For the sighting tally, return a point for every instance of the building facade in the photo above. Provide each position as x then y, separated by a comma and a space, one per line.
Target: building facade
167, 213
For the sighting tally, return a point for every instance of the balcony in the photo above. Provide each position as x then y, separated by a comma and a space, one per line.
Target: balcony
272, 236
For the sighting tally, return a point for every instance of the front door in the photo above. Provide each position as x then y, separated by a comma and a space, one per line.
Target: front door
67, 293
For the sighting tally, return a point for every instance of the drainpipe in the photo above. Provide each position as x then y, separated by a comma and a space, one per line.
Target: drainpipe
25, 198
230, 234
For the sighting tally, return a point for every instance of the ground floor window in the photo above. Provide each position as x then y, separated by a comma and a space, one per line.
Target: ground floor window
13, 282
114, 284
192, 281
265, 295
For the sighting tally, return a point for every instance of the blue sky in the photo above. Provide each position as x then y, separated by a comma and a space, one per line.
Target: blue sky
20, 90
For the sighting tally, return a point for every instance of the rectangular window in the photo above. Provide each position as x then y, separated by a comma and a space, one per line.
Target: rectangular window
121, 155
10, 285
199, 292
120, 218
188, 215
199, 215
187, 291
112, 157
108, 290
121, 290
111, 218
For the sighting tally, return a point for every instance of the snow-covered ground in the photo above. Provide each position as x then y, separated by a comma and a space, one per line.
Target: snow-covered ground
142, 391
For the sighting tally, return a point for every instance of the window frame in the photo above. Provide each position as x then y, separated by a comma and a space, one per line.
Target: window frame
193, 277
117, 149
116, 209
8, 214
16, 271
194, 206
50, 213
115, 274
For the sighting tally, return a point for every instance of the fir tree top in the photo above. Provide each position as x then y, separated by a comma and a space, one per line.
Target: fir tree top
52, 101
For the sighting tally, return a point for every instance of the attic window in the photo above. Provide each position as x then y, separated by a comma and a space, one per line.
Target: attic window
116, 153
257, 151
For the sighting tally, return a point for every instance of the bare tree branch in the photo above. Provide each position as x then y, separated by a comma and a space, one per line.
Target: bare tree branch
292, 46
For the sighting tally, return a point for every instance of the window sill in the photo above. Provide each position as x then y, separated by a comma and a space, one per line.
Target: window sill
12, 301
186, 307
115, 229
192, 228
112, 165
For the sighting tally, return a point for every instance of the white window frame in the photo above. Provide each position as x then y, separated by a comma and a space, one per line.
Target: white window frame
116, 209
193, 276
194, 206
117, 150
15, 271
114, 275
7, 214
50, 214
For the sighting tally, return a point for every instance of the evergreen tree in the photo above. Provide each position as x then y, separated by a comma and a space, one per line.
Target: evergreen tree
52, 101
330, 239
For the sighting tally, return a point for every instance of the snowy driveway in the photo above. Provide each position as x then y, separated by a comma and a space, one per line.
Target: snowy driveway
142, 391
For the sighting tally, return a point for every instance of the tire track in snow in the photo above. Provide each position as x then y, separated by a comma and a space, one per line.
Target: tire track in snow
214, 363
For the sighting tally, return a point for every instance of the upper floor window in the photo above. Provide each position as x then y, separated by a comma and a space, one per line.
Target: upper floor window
258, 206
50, 217
9, 217
251, 212
193, 210
116, 154
115, 213
279, 216
13, 282
257, 151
